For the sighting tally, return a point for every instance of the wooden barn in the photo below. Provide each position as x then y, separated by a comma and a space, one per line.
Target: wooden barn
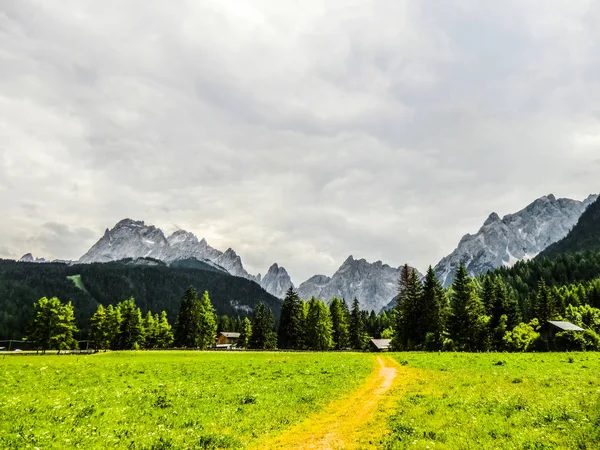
549, 330
380, 345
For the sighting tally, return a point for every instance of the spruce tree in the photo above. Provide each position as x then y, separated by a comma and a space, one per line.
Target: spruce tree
546, 303
318, 326
53, 325
164, 335
98, 329
131, 330
113, 326
207, 323
150, 330
339, 323
186, 326
434, 305
359, 339
506, 304
263, 334
245, 333
409, 327
291, 322
468, 322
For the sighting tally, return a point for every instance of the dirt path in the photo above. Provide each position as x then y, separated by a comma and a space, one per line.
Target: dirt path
358, 421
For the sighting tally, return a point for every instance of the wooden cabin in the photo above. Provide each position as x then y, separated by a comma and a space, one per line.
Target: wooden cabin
227, 338
550, 329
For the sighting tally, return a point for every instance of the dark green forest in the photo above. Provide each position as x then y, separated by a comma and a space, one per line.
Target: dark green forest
154, 287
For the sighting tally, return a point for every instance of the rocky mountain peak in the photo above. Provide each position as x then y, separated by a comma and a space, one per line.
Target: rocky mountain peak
515, 237
134, 239
373, 284
493, 218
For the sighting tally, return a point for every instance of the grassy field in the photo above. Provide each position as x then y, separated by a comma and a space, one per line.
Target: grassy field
499, 401
172, 400
161, 400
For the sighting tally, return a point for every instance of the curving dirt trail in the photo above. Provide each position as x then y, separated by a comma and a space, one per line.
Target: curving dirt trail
358, 421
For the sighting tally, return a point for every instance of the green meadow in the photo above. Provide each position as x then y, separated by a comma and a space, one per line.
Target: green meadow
162, 400
211, 400
542, 401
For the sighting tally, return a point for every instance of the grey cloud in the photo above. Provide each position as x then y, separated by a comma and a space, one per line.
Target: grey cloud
296, 134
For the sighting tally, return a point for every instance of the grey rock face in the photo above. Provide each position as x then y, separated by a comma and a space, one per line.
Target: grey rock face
135, 239
373, 284
277, 281
515, 237
128, 239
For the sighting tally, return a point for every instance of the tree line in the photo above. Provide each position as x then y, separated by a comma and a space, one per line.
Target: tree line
482, 314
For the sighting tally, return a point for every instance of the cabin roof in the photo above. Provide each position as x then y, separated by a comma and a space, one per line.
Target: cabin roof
565, 326
381, 344
228, 334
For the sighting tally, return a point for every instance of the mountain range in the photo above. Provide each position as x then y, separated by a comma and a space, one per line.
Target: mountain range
499, 242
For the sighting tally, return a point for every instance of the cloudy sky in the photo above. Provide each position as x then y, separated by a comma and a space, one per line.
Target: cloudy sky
293, 131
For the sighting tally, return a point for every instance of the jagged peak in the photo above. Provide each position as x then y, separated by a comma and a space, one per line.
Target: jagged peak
493, 217
274, 268
230, 253
129, 223
350, 259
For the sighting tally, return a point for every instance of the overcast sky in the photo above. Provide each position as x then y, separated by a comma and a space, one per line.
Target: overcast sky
293, 131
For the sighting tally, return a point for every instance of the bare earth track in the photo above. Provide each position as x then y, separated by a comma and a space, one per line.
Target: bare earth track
357, 421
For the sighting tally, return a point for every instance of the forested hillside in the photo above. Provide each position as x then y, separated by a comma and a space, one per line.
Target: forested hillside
155, 287
584, 237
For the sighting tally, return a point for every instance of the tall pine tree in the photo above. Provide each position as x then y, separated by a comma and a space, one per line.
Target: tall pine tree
131, 330
186, 326
409, 328
434, 305
263, 335
318, 326
359, 339
339, 322
467, 322
207, 323
291, 322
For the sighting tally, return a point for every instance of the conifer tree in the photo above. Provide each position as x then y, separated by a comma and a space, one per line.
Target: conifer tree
488, 296
263, 335
318, 326
131, 330
98, 329
164, 334
291, 322
186, 326
468, 322
506, 304
207, 323
359, 339
339, 323
245, 333
150, 330
112, 326
409, 327
434, 306
53, 325
545, 303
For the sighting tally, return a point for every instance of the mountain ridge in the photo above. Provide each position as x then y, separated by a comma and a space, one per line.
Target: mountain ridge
515, 237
